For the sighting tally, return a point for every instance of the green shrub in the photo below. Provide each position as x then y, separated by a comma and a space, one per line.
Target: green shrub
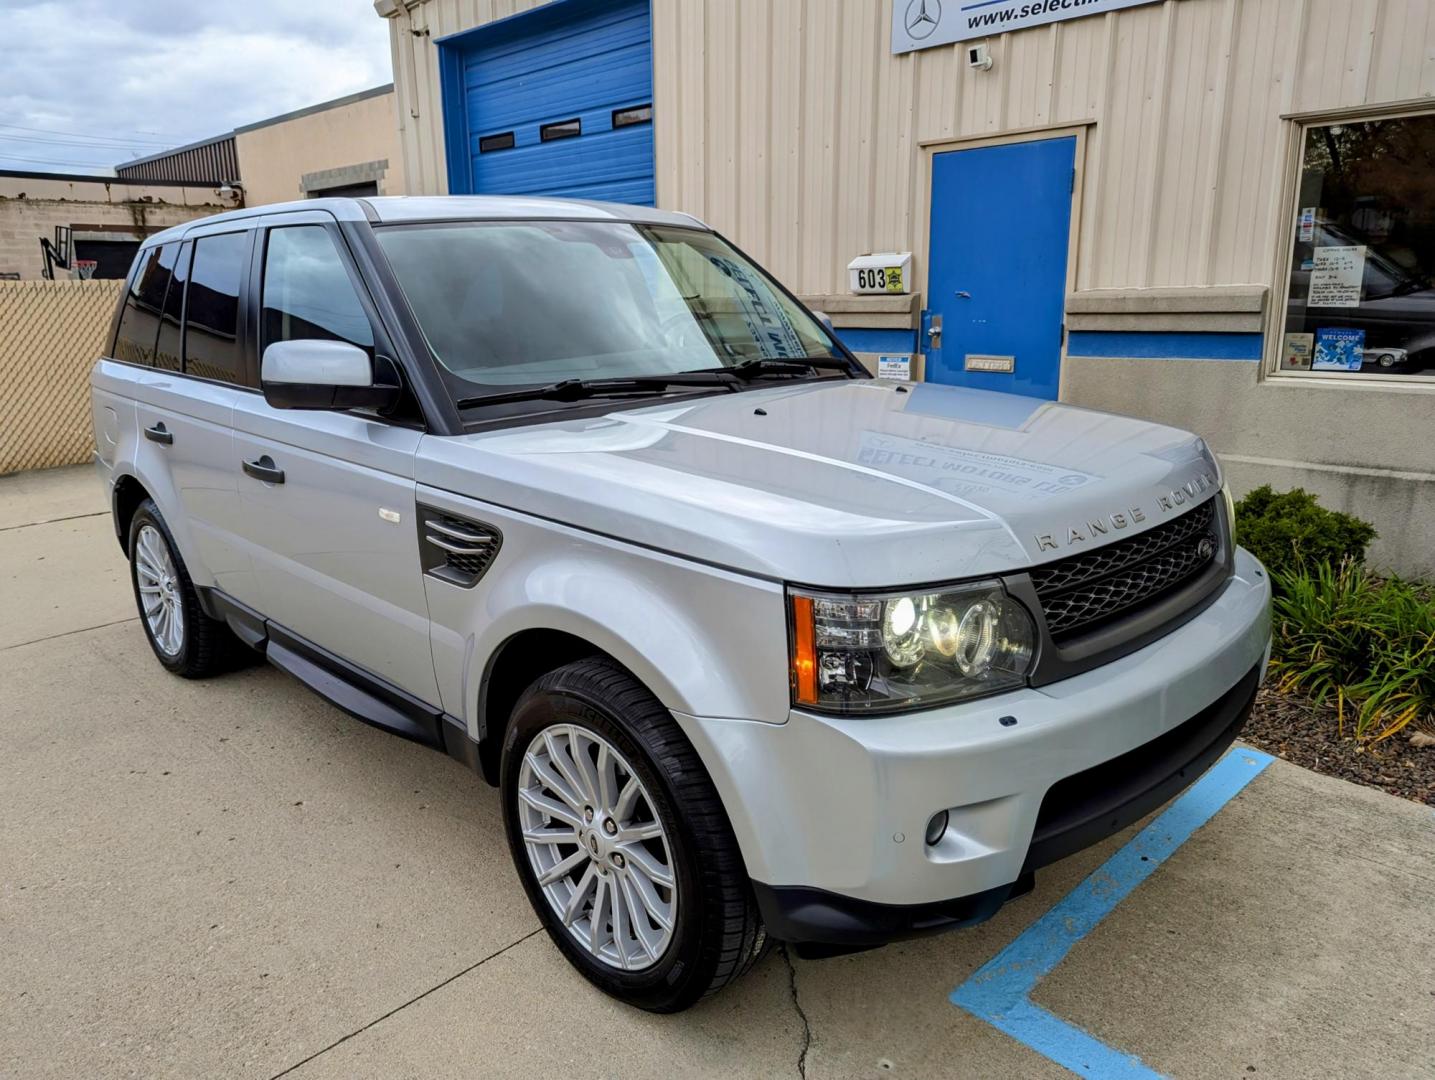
1345, 636
1290, 530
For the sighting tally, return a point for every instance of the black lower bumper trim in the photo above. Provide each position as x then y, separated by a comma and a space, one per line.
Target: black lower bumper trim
1077, 812
1091, 805
822, 923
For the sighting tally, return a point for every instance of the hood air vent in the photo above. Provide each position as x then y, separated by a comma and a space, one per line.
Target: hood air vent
454, 549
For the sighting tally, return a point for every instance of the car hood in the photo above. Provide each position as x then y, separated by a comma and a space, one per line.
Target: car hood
860, 483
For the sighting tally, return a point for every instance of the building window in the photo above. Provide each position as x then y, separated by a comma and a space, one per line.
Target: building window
1360, 290
364, 190
487, 144
561, 129
637, 114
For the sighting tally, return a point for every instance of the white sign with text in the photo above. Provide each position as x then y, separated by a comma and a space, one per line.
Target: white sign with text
1336, 277
922, 24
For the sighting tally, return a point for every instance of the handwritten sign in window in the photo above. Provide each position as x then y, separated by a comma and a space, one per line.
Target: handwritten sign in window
1335, 278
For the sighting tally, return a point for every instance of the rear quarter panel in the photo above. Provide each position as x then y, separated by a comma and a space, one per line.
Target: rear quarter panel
113, 390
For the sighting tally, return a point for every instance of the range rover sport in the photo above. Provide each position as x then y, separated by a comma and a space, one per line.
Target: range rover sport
754, 646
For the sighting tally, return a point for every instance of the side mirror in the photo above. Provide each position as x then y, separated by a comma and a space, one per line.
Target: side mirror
826, 320
322, 374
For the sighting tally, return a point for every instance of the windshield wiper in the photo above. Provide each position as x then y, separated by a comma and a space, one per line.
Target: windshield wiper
783, 365
578, 389
757, 366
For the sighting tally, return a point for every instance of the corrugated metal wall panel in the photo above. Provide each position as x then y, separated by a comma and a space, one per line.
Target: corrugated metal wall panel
213, 162
791, 127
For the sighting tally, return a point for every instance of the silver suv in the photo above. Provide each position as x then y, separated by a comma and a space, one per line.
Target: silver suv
755, 647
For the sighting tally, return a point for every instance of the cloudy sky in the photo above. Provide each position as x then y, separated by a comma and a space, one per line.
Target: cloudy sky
89, 84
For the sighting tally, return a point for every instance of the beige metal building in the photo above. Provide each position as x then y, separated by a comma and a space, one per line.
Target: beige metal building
1216, 213
347, 146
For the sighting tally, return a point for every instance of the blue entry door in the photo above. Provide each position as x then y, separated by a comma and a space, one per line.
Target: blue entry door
996, 277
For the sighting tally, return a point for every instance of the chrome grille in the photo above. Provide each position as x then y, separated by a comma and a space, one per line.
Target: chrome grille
1079, 593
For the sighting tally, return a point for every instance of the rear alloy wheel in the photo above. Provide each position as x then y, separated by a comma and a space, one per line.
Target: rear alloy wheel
184, 639
157, 582
621, 841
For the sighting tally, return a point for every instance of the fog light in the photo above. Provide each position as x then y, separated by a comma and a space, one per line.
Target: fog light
936, 827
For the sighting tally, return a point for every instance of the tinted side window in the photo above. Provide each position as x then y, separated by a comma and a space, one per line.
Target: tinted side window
139, 323
166, 351
211, 348
307, 291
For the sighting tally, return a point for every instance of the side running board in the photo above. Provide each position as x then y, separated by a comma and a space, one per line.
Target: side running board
362, 695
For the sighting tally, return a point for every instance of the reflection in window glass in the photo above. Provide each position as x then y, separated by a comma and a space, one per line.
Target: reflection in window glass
211, 348
526, 302
139, 323
166, 353
307, 292
1362, 273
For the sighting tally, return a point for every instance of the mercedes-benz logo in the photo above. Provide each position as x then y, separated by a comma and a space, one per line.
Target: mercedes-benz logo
922, 18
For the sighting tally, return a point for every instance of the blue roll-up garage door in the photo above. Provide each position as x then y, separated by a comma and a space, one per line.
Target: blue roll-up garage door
557, 101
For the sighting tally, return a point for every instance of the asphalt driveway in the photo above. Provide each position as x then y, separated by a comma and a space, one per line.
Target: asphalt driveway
232, 878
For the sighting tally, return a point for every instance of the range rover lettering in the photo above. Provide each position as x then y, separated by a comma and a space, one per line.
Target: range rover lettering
754, 646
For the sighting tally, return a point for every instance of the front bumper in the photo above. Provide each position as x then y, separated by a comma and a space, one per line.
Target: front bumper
830, 812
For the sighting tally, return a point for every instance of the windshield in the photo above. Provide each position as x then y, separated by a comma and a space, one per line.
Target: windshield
519, 303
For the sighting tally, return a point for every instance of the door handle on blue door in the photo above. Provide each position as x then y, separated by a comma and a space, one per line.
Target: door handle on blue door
159, 434
934, 331
265, 469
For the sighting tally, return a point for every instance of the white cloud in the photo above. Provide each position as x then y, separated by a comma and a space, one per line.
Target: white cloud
108, 81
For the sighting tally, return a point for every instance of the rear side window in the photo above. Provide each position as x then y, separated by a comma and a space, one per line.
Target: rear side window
167, 350
139, 322
211, 346
307, 290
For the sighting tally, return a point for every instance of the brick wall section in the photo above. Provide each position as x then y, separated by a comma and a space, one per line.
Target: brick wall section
50, 334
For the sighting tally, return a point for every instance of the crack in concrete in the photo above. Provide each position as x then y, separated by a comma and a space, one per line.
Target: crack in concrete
67, 633
52, 521
801, 1014
399, 1008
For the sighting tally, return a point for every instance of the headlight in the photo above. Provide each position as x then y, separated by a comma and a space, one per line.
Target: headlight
889, 651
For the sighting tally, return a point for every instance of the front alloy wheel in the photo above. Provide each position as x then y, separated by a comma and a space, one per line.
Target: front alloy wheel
621, 841
597, 848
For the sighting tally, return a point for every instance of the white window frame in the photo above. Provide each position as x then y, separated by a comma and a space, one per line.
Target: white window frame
1301, 125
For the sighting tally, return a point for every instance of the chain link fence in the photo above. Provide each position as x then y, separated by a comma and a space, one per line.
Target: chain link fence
50, 334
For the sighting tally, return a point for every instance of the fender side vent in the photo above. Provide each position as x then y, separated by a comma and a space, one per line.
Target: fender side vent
455, 549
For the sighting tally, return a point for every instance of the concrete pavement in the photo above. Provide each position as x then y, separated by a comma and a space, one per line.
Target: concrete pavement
231, 878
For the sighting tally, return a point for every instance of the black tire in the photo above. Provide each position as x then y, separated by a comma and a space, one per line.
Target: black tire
718, 934
207, 646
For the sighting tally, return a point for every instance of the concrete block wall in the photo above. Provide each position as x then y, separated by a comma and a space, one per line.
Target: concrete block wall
32, 205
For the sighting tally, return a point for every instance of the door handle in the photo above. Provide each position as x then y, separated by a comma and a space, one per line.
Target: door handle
265, 469
159, 434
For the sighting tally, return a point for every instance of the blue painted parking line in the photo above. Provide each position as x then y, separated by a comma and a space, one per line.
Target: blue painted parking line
999, 991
